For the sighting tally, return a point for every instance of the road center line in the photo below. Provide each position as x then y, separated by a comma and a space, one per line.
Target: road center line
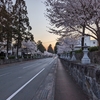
9, 98
27, 66
51, 61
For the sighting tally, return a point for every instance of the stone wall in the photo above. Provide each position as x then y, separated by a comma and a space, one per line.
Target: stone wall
94, 56
87, 76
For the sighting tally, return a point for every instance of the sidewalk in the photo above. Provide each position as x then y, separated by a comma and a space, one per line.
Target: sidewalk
65, 86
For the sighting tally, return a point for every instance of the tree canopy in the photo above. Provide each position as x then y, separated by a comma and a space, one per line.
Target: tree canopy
40, 46
50, 49
14, 22
70, 16
55, 47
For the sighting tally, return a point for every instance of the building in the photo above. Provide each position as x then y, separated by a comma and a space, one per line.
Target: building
65, 47
88, 41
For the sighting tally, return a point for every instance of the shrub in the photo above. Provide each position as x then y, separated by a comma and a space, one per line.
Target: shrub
25, 57
2, 57
19, 56
95, 48
78, 51
11, 57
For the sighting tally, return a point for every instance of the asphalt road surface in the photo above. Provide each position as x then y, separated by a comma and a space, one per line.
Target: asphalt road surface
20, 81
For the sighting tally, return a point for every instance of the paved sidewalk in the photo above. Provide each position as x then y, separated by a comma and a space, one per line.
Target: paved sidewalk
65, 86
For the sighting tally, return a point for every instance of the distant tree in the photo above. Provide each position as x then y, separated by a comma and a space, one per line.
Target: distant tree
40, 46
32, 37
6, 21
14, 23
50, 49
55, 48
21, 21
70, 41
30, 46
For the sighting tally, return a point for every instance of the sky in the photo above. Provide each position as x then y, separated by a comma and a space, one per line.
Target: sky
36, 10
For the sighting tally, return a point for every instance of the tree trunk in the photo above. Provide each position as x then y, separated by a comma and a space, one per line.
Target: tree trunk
98, 33
82, 41
17, 47
19, 30
98, 38
99, 45
7, 42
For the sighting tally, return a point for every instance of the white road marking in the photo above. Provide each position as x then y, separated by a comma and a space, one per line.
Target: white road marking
27, 66
4, 74
33, 64
19, 77
51, 61
9, 98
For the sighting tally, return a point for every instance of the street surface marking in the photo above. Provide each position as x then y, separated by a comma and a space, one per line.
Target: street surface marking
35, 66
4, 74
27, 66
9, 98
19, 77
51, 61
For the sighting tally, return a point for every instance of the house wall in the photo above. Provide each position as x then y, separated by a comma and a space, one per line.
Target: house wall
88, 42
93, 43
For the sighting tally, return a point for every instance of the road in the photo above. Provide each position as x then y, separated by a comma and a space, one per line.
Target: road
20, 81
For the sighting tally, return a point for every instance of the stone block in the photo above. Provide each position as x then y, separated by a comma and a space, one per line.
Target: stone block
98, 76
91, 72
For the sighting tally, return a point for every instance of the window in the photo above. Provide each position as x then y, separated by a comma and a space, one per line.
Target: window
93, 42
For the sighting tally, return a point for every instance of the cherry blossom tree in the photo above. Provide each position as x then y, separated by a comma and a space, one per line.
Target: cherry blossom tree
74, 15
30, 46
69, 43
61, 49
